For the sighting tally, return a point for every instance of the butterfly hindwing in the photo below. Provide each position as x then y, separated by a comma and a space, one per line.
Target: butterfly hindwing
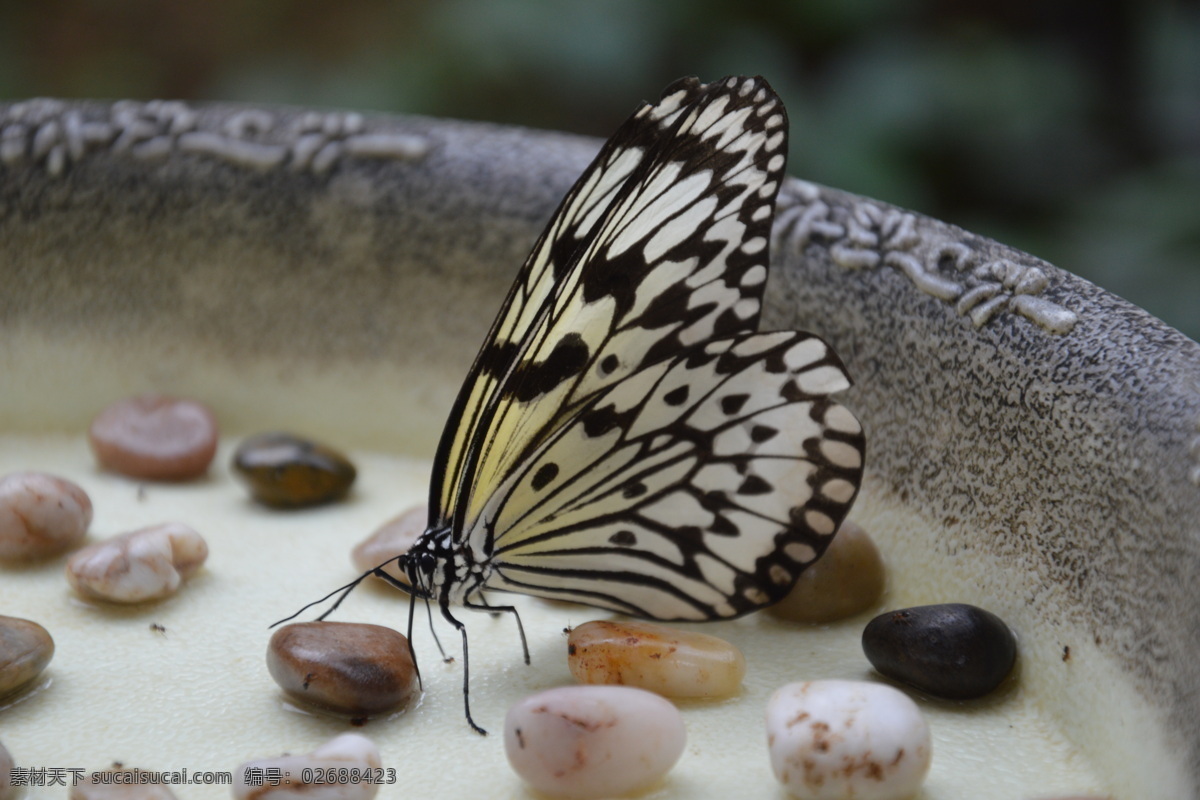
674, 255
696, 488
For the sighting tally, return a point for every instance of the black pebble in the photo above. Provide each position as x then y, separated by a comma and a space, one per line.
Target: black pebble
953, 650
286, 471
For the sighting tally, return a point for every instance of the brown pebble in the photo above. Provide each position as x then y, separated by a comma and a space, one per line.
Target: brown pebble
155, 437
286, 471
25, 650
131, 785
41, 515
347, 668
389, 540
845, 581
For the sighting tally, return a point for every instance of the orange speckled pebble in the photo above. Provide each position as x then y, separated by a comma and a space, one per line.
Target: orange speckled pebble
664, 660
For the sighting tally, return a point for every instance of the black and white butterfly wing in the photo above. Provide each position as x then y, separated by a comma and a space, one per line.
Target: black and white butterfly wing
633, 270
697, 488
556, 252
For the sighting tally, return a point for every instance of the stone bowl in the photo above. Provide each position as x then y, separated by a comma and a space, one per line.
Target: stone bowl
1033, 441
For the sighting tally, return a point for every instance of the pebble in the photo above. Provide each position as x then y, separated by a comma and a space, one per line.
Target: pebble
593, 741
344, 667
660, 659
837, 740
846, 580
131, 786
954, 651
41, 515
155, 437
285, 471
146, 564
25, 650
6, 764
343, 757
391, 539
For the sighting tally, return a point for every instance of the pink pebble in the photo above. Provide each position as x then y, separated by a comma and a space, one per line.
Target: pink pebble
389, 540
155, 437
41, 515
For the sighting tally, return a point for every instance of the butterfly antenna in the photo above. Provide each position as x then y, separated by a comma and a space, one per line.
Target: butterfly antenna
344, 591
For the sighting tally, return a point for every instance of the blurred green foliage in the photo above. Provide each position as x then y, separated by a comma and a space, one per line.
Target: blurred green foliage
1069, 129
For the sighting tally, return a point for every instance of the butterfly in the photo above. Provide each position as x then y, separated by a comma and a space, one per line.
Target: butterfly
626, 438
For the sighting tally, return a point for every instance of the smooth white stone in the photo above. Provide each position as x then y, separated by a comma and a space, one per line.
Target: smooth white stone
146, 564
847, 740
41, 515
585, 742
350, 751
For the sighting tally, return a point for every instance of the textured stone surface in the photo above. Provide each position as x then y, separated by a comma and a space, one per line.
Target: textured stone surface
1040, 434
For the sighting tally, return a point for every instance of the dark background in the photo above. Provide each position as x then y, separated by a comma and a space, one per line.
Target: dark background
1068, 129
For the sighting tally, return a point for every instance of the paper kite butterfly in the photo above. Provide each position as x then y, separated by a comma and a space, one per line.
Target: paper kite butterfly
626, 438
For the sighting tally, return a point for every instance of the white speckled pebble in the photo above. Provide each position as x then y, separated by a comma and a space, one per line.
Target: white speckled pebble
41, 515
341, 759
593, 741
662, 659
847, 740
146, 564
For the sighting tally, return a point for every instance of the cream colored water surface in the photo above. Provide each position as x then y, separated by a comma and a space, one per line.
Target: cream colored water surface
197, 695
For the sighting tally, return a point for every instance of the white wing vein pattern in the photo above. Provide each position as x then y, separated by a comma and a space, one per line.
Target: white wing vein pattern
715, 486
625, 437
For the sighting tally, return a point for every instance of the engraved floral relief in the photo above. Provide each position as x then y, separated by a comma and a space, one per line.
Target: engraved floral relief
55, 135
866, 236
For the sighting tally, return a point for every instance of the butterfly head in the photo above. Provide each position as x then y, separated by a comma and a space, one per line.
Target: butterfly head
440, 569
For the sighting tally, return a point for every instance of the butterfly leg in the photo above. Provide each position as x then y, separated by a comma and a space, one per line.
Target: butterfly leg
412, 610
433, 632
484, 606
462, 629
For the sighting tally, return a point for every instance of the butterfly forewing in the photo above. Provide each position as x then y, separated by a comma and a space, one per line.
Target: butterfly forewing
555, 252
694, 489
676, 255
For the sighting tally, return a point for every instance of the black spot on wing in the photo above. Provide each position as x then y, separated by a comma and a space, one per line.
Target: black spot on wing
609, 364
763, 433
623, 538
754, 485
677, 396
496, 358
732, 403
545, 474
568, 358
599, 421
633, 490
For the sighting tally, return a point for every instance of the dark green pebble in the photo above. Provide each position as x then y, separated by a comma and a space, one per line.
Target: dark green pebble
286, 471
953, 650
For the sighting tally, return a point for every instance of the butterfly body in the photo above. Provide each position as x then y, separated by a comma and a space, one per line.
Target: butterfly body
626, 437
